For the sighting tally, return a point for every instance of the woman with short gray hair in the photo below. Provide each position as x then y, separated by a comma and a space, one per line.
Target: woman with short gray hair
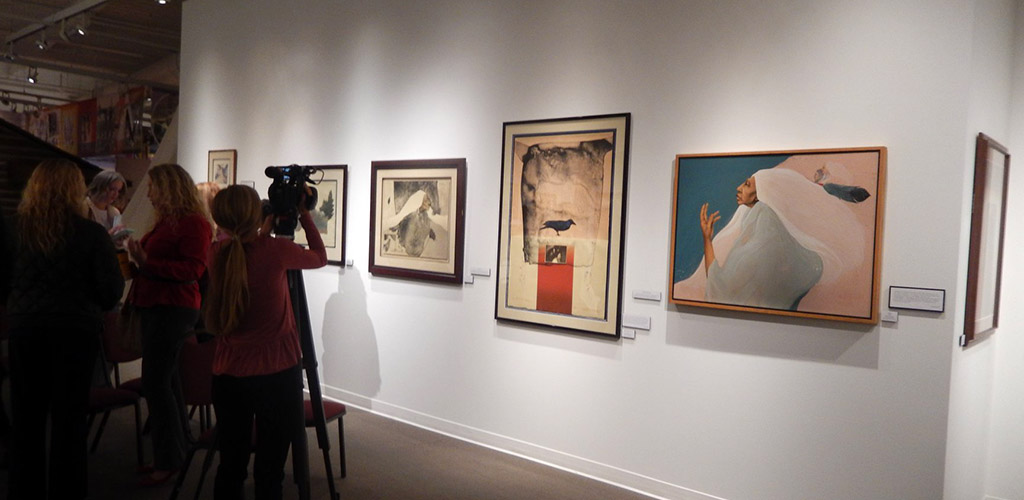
104, 189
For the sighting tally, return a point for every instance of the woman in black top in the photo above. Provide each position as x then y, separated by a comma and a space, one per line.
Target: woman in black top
64, 275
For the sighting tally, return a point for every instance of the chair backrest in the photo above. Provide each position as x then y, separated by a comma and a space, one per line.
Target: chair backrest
196, 367
114, 342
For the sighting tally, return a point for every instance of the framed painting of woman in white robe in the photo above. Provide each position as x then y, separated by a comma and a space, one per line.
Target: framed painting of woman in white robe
794, 233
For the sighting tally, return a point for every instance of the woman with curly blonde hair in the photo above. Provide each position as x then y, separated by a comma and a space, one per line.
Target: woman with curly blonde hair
171, 258
64, 275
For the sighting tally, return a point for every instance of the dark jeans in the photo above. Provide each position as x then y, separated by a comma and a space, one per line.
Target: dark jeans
164, 329
51, 372
275, 403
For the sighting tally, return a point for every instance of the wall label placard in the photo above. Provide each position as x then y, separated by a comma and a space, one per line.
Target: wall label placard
917, 299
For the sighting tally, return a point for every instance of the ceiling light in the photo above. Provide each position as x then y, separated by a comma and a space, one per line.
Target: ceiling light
33, 75
161, 2
41, 43
9, 52
79, 23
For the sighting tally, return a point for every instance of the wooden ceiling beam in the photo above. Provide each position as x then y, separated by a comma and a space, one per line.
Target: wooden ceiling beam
54, 18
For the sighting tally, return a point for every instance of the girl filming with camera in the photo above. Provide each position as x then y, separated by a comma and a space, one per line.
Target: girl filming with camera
257, 366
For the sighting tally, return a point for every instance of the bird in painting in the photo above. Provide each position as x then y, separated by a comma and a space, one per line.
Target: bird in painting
558, 225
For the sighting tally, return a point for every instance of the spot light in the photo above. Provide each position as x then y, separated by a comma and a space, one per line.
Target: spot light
41, 43
161, 2
78, 24
33, 75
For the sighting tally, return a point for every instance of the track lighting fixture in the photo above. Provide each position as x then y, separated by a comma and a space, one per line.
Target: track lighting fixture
41, 42
161, 2
74, 25
9, 52
33, 74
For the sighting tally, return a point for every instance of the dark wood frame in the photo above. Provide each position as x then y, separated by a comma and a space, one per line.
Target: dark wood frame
618, 124
457, 237
340, 220
234, 164
985, 145
878, 198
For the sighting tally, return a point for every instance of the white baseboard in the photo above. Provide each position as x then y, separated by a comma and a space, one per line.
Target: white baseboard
554, 458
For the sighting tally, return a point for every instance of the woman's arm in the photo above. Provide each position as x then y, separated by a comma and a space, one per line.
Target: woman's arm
707, 230
316, 255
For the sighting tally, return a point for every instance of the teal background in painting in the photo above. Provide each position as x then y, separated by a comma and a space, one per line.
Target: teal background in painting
712, 180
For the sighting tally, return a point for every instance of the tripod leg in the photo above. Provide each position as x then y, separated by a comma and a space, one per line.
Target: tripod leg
300, 308
300, 463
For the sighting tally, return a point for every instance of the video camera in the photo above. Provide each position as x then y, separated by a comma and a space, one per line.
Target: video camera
286, 192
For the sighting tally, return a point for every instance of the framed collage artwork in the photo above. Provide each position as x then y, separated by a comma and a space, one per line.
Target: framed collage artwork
329, 214
417, 219
560, 240
792, 233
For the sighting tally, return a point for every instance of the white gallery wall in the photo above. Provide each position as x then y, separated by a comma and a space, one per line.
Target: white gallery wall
707, 404
1005, 453
971, 393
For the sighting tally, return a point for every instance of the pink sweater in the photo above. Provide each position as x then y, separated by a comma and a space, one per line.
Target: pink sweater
267, 340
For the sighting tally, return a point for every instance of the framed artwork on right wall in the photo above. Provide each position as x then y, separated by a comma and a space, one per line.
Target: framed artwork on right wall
790, 233
988, 223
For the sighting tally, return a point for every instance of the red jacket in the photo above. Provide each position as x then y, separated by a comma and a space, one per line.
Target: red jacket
176, 252
266, 340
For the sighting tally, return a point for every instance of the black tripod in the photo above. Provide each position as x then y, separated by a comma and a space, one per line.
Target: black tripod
300, 452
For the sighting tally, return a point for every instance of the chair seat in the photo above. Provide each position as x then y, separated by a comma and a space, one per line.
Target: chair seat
332, 410
106, 399
102, 398
134, 385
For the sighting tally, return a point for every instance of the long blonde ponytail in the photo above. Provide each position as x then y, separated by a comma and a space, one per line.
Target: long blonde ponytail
237, 211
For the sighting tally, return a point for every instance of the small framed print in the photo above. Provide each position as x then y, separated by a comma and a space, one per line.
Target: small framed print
329, 212
417, 219
221, 164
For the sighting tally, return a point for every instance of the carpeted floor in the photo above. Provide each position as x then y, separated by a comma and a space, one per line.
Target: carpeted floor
386, 460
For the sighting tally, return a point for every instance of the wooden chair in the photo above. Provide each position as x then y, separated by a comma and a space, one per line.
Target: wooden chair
333, 410
113, 395
116, 353
103, 400
195, 365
